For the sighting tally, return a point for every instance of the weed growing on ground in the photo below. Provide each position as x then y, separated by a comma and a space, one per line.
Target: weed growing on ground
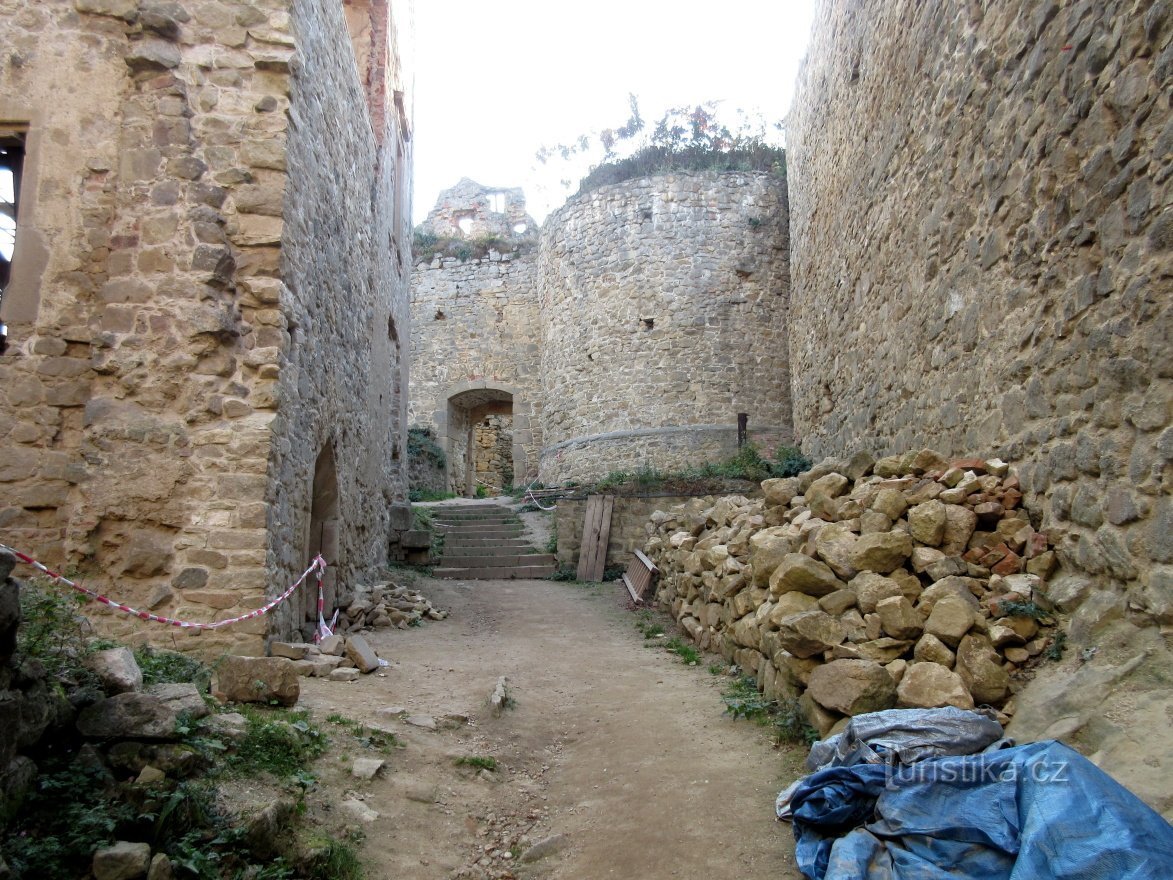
1054, 651
333, 859
565, 573
52, 629
479, 762
784, 717
1024, 609
381, 740
716, 669
279, 742
168, 667
650, 629
690, 655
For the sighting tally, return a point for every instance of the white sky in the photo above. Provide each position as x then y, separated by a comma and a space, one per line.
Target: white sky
497, 81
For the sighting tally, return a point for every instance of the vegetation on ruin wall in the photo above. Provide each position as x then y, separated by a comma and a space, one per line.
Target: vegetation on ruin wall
426, 246
747, 466
686, 138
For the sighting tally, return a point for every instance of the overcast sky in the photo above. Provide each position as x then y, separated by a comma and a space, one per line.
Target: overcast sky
496, 81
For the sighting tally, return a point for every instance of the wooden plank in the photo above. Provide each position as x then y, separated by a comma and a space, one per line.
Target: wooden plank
590, 531
596, 533
631, 589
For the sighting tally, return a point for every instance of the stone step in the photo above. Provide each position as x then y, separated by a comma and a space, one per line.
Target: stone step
495, 560
474, 545
515, 548
485, 531
533, 572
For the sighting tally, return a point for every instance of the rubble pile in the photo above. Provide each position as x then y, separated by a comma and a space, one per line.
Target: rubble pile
913, 581
381, 606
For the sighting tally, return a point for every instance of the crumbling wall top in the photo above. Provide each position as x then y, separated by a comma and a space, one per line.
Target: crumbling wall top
470, 210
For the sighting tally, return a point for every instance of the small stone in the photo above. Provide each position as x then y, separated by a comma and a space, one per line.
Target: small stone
931, 649
838, 602
870, 588
366, 768
131, 715
294, 651
806, 575
951, 618
545, 847
362, 654
333, 645
926, 522
898, 618
427, 722
256, 680
931, 686
882, 552
184, 698
978, 666
809, 633
392, 711
344, 673
160, 868
149, 776
1017, 655
891, 503
853, 687
117, 670
359, 811
122, 861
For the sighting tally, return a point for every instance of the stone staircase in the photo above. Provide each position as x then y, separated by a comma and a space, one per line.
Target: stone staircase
486, 541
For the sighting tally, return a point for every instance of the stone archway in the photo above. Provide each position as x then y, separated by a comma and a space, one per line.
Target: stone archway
323, 531
477, 415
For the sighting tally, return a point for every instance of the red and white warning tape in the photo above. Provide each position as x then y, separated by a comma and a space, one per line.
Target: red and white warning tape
318, 565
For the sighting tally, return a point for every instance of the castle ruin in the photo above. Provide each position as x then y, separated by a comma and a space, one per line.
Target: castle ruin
205, 382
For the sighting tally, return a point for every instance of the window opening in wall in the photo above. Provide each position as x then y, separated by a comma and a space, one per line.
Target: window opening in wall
11, 165
464, 222
519, 228
497, 203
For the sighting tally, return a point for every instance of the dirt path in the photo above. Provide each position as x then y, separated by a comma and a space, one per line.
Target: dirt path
616, 755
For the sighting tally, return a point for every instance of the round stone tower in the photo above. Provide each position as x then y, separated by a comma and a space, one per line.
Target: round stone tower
664, 316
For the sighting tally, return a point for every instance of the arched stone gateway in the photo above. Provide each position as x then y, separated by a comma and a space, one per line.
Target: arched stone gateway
477, 416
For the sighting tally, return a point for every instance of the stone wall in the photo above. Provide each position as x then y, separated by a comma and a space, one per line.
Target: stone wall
980, 200
475, 337
664, 305
629, 526
196, 294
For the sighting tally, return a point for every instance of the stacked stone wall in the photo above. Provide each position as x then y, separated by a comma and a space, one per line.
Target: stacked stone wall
476, 329
980, 200
664, 315
164, 388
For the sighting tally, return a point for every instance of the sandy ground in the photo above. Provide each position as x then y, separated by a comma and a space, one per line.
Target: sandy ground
616, 757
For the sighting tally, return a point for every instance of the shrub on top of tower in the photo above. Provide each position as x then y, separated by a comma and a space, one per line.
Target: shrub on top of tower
686, 138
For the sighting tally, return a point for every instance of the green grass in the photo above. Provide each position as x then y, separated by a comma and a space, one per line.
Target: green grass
425, 495
689, 654
784, 717
168, 667
279, 742
747, 464
478, 762
380, 740
334, 859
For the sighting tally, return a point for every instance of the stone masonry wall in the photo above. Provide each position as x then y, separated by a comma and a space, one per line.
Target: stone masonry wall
344, 265
164, 389
475, 328
629, 526
980, 199
664, 307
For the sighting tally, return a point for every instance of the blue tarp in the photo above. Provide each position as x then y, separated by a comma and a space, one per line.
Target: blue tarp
1035, 812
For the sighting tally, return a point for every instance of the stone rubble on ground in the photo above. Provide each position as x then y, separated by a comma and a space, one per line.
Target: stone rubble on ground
913, 581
